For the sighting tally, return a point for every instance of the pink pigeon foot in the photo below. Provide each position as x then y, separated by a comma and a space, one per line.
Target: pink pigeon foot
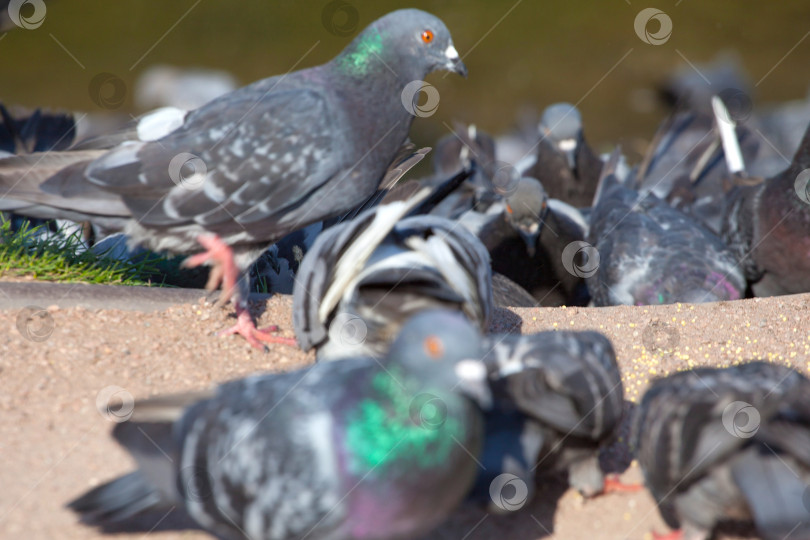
246, 328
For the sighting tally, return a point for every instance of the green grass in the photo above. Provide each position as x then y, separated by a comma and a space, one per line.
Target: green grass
63, 258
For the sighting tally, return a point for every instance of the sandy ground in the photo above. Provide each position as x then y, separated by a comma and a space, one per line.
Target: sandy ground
55, 444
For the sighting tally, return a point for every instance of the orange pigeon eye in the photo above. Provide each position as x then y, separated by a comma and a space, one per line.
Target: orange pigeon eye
434, 347
427, 36
508, 208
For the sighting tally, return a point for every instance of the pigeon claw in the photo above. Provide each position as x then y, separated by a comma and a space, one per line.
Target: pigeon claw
246, 328
614, 485
223, 272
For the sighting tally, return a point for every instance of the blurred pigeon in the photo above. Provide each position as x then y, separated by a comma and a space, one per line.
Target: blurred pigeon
643, 252
526, 235
557, 399
565, 164
184, 88
250, 167
686, 166
692, 86
766, 223
363, 278
728, 444
342, 450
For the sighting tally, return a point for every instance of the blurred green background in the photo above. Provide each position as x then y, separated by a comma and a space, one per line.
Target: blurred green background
540, 52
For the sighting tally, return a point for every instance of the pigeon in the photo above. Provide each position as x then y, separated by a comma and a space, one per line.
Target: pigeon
557, 399
363, 278
692, 86
685, 165
641, 251
766, 223
360, 448
256, 164
718, 444
564, 162
526, 234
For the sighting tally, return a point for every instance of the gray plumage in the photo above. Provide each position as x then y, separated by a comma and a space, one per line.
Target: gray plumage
558, 398
526, 234
650, 253
257, 163
339, 450
565, 164
363, 278
728, 444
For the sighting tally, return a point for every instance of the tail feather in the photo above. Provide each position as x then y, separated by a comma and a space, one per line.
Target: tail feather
54, 185
117, 500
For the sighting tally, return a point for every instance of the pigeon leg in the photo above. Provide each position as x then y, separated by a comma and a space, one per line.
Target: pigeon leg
614, 485
224, 269
246, 328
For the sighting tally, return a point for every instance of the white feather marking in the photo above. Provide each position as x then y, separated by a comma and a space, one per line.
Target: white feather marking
159, 123
355, 257
728, 135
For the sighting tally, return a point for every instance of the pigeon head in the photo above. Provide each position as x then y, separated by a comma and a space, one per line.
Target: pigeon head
410, 42
446, 348
526, 209
561, 124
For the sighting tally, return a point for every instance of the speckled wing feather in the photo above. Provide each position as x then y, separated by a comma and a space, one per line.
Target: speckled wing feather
569, 381
256, 170
680, 432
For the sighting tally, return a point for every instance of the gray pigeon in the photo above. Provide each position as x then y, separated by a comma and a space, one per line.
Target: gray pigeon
766, 222
728, 444
526, 234
685, 165
644, 252
564, 162
355, 449
363, 278
251, 166
557, 399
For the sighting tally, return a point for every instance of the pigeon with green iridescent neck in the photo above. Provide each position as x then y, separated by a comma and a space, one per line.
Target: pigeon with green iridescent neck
356, 449
253, 165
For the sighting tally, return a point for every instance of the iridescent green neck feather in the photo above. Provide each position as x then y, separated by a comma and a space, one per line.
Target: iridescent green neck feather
381, 429
357, 59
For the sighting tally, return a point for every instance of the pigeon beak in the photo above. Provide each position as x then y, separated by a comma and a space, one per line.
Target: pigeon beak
530, 238
474, 382
454, 62
569, 147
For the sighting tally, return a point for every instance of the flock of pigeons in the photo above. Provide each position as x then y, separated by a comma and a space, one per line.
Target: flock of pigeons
412, 408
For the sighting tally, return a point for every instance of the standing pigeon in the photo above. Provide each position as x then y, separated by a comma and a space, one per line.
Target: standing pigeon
363, 278
650, 253
253, 165
354, 449
557, 399
728, 444
565, 164
767, 225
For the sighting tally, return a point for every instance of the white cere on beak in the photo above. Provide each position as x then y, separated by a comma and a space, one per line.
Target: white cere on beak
471, 370
451, 53
567, 145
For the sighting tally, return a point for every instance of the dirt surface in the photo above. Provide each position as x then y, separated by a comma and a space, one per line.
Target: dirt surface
55, 444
